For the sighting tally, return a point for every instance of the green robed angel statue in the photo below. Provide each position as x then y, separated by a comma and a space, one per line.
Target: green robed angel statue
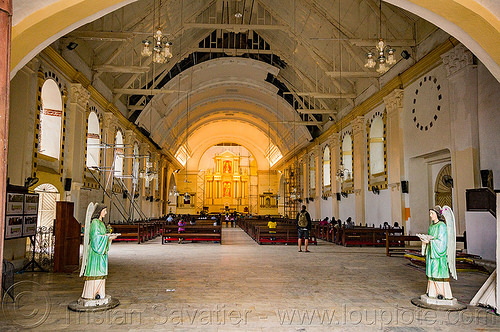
439, 246
96, 244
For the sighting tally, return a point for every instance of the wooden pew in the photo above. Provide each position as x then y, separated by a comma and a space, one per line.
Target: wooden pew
367, 236
192, 233
396, 244
129, 232
285, 234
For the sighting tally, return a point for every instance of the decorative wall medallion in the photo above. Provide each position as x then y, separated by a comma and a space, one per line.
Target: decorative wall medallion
427, 101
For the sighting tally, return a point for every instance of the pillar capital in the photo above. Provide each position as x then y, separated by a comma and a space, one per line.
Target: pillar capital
457, 59
79, 95
334, 140
394, 102
316, 150
130, 137
358, 125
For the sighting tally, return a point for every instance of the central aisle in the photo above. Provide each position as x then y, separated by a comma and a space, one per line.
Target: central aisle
242, 285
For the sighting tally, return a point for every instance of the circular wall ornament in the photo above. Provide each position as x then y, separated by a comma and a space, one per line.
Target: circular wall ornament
426, 104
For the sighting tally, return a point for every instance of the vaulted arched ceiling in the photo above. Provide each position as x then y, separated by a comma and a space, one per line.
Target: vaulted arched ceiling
232, 92
294, 63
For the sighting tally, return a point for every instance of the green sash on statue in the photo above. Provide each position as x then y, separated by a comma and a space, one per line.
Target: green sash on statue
437, 267
97, 261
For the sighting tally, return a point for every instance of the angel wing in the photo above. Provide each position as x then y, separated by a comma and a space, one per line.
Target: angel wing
86, 236
452, 240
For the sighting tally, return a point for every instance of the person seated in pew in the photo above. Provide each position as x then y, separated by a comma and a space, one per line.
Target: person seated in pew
386, 225
396, 225
192, 222
181, 229
272, 229
324, 222
349, 223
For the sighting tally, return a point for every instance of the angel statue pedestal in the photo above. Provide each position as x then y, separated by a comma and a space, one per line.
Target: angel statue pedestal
439, 248
94, 268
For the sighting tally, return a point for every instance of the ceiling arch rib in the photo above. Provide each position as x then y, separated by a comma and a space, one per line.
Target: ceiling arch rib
214, 86
241, 133
273, 137
267, 115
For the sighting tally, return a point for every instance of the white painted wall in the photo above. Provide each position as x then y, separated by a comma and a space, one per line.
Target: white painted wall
347, 208
378, 208
420, 145
481, 234
489, 123
326, 208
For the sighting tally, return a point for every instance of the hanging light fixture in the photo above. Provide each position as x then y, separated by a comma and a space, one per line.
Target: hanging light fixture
341, 171
384, 63
161, 46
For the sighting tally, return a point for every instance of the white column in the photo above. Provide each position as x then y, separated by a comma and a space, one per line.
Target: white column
334, 143
74, 158
319, 183
358, 132
462, 78
395, 154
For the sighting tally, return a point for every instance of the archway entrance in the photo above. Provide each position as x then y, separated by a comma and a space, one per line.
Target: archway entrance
47, 204
443, 187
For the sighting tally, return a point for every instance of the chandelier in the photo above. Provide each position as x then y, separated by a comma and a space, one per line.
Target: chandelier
161, 49
381, 49
148, 174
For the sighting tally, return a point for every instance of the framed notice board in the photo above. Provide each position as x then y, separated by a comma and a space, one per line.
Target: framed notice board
21, 213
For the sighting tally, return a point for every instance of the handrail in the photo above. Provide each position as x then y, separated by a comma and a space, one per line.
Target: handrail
481, 199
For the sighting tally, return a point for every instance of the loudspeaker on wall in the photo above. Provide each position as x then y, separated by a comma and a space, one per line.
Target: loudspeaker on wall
67, 184
404, 187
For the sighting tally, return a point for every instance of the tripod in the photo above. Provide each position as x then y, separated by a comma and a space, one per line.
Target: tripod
33, 263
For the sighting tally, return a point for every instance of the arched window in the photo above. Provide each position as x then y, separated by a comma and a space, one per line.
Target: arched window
312, 173
326, 167
135, 165
377, 174
50, 120
347, 156
93, 141
119, 154
148, 169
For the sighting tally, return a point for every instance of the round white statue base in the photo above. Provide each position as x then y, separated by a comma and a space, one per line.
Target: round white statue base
94, 305
435, 304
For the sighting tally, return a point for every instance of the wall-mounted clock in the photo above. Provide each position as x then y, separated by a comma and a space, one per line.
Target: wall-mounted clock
427, 101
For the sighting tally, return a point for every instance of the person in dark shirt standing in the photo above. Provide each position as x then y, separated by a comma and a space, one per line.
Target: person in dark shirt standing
303, 226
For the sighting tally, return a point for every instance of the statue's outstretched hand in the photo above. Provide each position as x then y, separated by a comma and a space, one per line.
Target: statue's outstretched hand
425, 238
113, 236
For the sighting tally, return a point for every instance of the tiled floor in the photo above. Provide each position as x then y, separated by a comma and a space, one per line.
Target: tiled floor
243, 286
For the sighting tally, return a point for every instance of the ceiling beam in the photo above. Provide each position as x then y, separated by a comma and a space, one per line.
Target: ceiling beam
390, 27
393, 42
234, 26
311, 49
121, 69
145, 92
321, 95
315, 111
231, 51
303, 123
321, 11
105, 36
353, 74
